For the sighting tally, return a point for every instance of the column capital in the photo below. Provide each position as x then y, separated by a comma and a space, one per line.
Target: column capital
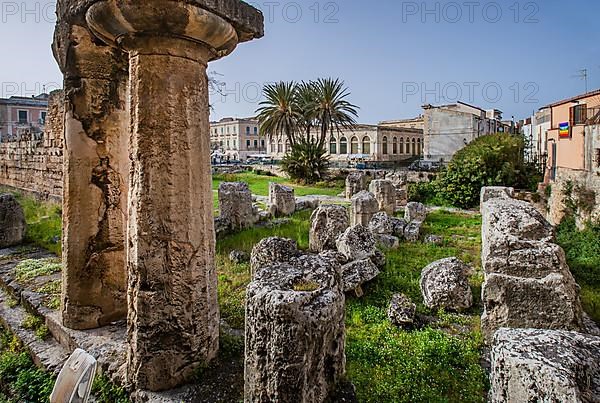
125, 24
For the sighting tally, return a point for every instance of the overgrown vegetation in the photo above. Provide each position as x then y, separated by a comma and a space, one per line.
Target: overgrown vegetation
31, 268
493, 160
20, 380
44, 221
106, 392
437, 362
583, 256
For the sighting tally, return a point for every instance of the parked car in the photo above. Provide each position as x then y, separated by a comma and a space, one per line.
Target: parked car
425, 166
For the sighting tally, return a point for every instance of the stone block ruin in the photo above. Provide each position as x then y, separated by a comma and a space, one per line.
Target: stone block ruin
542, 343
136, 134
236, 206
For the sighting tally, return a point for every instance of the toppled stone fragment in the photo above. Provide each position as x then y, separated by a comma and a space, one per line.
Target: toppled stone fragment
364, 206
530, 365
236, 206
358, 272
355, 182
415, 212
412, 231
282, 201
387, 241
385, 194
270, 251
328, 222
434, 240
295, 333
401, 311
238, 257
445, 284
356, 243
12, 221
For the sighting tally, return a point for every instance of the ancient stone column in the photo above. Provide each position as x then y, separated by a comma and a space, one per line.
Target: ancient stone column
384, 192
96, 167
364, 207
173, 320
294, 332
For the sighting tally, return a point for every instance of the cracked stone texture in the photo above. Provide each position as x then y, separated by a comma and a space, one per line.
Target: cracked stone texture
96, 172
364, 206
358, 272
385, 193
445, 284
493, 192
387, 241
530, 365
273, 250
401, 311
356, 182
295, 333
282, 201
236, 205
528, 283
12, 221
412, 231
328, 222
415, 212
356, 243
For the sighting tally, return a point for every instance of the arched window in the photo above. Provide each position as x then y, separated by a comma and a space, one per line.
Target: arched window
354, 145
395, 146
287, 146
366, 145
333, 146
401, 145
414, 147
343, 146
385, 145
280, 147
273, 146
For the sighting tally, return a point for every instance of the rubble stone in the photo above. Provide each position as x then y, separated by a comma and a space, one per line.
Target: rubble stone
328, 222
401, 311
415, 212
364, 206
282, 201
445, 284
236, 205
384, 192
358, 272
271, 251
356, 243
12, 221
356, 182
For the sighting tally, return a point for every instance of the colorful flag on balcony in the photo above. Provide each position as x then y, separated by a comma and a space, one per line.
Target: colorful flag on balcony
564, 130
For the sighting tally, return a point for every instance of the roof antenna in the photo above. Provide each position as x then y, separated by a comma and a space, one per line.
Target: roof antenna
583, 74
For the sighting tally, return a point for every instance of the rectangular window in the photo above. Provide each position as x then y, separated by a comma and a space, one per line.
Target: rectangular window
247, 143
43, 120
578, 115
23, 117
255, 143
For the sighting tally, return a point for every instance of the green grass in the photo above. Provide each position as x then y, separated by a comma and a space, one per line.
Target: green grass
583, 256
437, 363
44, 221
106, 392
20, 380
259, 184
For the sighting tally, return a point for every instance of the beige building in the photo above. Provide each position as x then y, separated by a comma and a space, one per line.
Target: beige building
22, 117
235, 139
374, 143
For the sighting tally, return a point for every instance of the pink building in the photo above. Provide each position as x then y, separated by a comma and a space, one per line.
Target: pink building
22, 117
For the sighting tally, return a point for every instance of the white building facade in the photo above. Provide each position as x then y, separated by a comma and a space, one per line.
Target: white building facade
235, 139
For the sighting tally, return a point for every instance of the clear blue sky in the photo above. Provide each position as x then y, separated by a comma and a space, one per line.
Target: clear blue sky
393, 55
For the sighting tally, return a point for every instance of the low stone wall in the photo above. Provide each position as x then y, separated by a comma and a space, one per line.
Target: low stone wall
36, 165
585, 192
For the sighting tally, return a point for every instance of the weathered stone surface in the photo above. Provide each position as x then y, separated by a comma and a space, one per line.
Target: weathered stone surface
238, 257
270, 251
551, 302
493, 192
328, 222
282, 201
415, 212
12, 221
412, 231
95, 173
387, 241
334, 256
307, 204
385, 193
530, 365
364, 206
382, 224
356, 243
356, 182
295, 332
379, 259
236, 206
401, 311
528, 283
445, 284
399, 226
434, 240
173, 321
358, 272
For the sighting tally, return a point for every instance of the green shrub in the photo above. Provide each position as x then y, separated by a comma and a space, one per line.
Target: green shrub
107, 392
306, 163
493, 160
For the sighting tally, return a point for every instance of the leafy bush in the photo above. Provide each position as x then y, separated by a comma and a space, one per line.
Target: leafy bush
307, 163
493, 160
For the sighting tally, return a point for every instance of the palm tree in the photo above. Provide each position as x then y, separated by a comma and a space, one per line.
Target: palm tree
306, 97
278, 114
333, 112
